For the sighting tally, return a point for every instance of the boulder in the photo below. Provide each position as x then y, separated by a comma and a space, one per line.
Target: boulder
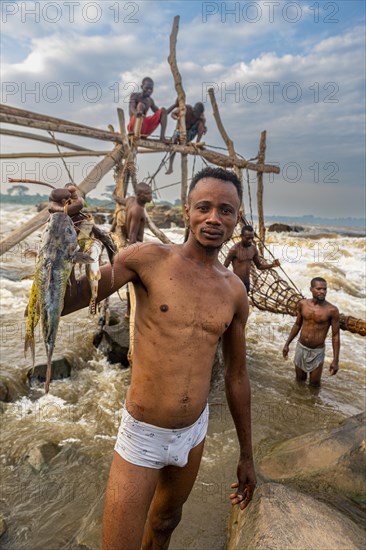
3, 526
4, 391
164, 215
113, 338
281, 517
284, 228
334, 458
61, 369
41, 455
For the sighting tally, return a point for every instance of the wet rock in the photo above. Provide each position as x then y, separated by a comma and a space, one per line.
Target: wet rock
164, 215
281, 517
4, 391
3, 526
42, 454
61, 368
114, 337
335, 458
284, 228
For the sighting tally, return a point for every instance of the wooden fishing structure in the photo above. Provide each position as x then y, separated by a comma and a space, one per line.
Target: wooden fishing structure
269, 291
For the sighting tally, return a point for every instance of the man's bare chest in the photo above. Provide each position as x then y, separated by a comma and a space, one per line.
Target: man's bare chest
245, 254
186, 301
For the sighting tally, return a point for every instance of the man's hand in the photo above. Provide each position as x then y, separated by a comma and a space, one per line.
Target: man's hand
276, 263
285, 351
333, 369
245, 485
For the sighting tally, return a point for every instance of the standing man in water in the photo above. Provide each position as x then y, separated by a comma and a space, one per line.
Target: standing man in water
314, 318
186, 301
243, 253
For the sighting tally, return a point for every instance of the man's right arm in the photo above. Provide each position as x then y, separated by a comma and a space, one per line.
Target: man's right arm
134, 99
294, 331
125, 267
134, 225
230, 256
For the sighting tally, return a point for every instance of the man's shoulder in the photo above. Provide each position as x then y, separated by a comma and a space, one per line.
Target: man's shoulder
135, 95
332, 308
147, 251
235, 247
236, 284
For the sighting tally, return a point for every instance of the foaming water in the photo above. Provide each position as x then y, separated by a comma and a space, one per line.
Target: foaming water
80, 417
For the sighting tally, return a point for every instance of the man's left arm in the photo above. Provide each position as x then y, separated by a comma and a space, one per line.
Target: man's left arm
237, 389
336, 342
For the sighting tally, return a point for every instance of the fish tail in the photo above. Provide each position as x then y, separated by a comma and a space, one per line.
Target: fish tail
49, 370
93, 306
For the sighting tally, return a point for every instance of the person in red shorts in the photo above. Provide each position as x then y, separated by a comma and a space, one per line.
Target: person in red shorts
140, 103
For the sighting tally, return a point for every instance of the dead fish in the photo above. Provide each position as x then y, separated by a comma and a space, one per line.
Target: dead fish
94, 248
58, 254
90, 235
107, 242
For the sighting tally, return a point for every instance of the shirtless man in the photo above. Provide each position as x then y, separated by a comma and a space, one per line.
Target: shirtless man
314, 318
140, 104
133, 226
135, 216
243, 253
195, 126
186, 301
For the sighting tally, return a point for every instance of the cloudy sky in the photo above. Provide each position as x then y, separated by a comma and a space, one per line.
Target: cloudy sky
295, 69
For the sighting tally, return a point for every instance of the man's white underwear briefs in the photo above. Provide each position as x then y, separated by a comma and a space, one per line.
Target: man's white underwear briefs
155, 447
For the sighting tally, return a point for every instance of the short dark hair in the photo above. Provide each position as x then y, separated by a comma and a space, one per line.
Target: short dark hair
144, 187
219, 174
247, 228
147, 78
317, 280
199, 106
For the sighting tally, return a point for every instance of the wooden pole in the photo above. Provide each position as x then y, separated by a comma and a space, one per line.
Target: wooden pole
228, 142
38, 137
172, 60
46, 124
53, 155
261, 159
184, 184
31, 115
211, 156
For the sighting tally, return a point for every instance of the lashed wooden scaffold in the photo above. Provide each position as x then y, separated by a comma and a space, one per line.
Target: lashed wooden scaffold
269, 291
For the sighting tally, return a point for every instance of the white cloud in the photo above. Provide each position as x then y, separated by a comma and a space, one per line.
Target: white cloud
277, 61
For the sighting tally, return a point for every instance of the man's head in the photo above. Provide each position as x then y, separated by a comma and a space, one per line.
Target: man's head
147, 86
318, 288
143, 193
214, 200
199, 108
247, 235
